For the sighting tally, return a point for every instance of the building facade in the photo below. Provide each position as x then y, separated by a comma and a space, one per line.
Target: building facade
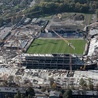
51, 61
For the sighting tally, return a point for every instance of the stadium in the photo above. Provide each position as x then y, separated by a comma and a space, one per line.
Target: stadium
58, 41
58, 47
53, 61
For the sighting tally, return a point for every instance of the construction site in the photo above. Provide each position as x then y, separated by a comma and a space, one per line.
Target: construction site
22, 69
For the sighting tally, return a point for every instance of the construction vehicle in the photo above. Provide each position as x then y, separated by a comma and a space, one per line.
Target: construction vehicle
69, 44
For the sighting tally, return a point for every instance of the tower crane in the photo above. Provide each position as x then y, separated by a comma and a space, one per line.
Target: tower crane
69, 44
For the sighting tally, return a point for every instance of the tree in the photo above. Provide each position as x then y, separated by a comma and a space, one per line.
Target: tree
90, 84
43, 89
85, 8
97, 86
29, 96
30, 91
10, 79
5, 83
15, 96
18, 95
54, 86
51, 81
77, 6
83, 83
6, 95
62, 91
22, 96
68, 94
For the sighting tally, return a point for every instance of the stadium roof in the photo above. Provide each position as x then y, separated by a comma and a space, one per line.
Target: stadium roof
41, 55
46, 55
93, 32
93, 46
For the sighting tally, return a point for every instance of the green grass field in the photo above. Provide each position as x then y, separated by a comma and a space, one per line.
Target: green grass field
43, 46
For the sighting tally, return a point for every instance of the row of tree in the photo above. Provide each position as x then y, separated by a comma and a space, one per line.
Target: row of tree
84, 85
55, 6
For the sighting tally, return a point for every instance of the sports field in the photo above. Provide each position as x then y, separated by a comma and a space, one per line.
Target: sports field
44, 46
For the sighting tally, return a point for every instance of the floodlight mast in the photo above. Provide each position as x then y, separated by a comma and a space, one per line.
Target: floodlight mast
69, 44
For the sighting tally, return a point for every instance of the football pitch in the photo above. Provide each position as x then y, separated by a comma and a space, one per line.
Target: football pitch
47, 46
